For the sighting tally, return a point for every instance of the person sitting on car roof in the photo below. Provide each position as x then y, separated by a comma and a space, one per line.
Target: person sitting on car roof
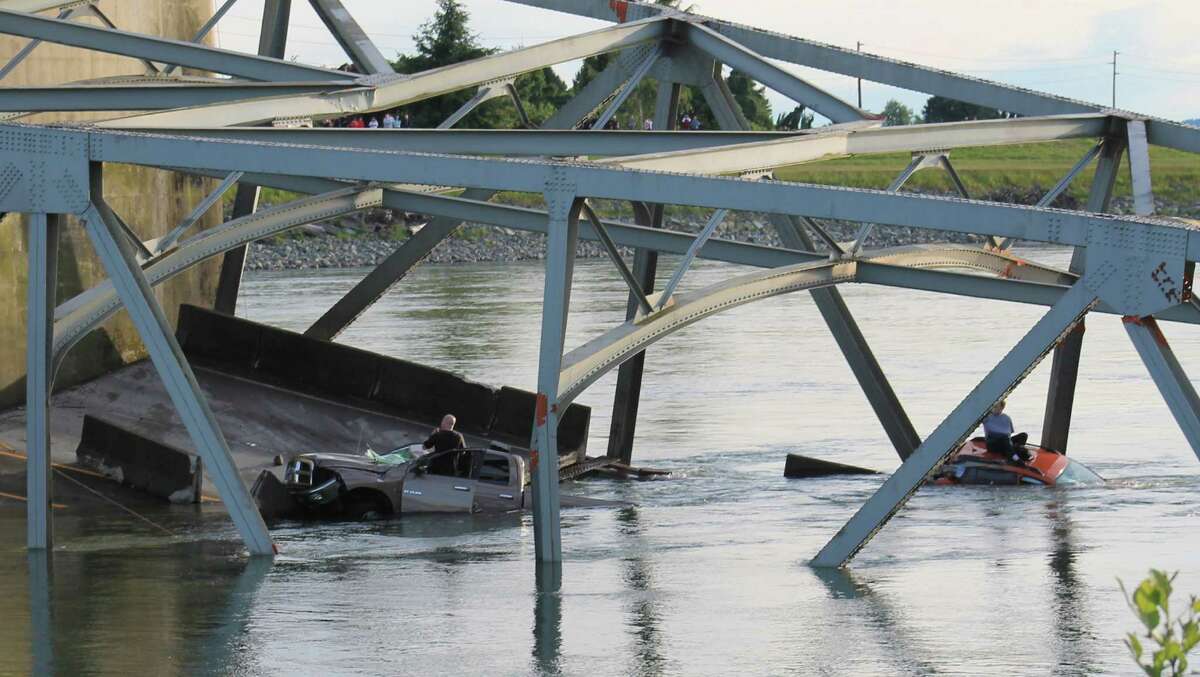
445, 437
998, 430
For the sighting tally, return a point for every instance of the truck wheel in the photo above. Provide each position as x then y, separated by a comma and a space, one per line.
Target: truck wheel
366, 505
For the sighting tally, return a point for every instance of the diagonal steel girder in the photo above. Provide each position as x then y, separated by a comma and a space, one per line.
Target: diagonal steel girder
398, 90
1001, 380
754, 65
858, 64
351, 37
862, 205
162, 49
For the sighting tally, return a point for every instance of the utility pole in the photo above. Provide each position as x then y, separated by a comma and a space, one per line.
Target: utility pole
860, 82
1114, 85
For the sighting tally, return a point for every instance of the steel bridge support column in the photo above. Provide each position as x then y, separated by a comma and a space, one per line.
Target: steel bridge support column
39, 377
272, 41
1168, 375
1000, 381
1064, 370
645, 269
833, 308
152, 326
561, 240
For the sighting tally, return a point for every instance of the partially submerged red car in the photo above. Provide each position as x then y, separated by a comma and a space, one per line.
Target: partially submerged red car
974, 464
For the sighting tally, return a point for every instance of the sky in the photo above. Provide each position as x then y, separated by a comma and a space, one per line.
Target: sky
1064, 47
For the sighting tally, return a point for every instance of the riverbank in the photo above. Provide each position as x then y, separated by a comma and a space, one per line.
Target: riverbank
366, 240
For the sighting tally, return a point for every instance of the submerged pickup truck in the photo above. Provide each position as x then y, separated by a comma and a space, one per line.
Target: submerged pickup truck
404, 481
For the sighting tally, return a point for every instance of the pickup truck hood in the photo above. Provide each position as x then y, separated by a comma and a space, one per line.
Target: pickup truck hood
350, 462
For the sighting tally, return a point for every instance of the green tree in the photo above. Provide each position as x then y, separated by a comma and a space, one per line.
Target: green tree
941, 109
797, 119
896, 114
751, 97
447, 39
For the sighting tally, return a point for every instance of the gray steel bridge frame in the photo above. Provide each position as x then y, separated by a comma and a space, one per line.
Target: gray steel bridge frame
1139, 267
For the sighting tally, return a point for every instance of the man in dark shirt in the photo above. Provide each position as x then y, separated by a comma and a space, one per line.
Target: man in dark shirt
446, 437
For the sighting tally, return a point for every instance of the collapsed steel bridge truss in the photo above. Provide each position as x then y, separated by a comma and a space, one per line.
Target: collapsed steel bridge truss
249, 125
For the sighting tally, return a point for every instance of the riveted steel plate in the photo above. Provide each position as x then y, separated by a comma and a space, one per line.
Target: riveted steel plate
43, 170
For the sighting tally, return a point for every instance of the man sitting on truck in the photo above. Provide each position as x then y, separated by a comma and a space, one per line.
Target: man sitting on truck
998, 430
445, 437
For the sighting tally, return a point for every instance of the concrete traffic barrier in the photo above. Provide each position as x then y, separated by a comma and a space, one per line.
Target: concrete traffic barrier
140, 462
390, 386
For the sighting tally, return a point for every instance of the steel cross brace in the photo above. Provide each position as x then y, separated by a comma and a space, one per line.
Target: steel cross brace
610, 248
28, 48
936, 448
1059, 187
167, 241
486, 92
917, 163
629, 87
709, 228
205, 29
173, 368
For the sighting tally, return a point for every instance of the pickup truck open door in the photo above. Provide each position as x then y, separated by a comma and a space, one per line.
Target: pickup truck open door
441, 482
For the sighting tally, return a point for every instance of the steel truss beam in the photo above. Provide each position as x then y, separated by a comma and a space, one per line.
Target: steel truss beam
1000, 381
862, 205
162, 49
857, 64
396, 91
833, 142
173, 368
909, 267
503, 142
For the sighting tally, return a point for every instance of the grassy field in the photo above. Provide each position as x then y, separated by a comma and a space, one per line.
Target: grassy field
986, 170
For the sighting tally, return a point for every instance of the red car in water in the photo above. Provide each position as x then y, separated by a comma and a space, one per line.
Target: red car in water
974, 464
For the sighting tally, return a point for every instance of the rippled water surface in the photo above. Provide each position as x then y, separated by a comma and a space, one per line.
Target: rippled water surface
706, 573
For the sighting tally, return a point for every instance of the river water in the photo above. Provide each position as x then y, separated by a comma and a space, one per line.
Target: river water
705, 573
